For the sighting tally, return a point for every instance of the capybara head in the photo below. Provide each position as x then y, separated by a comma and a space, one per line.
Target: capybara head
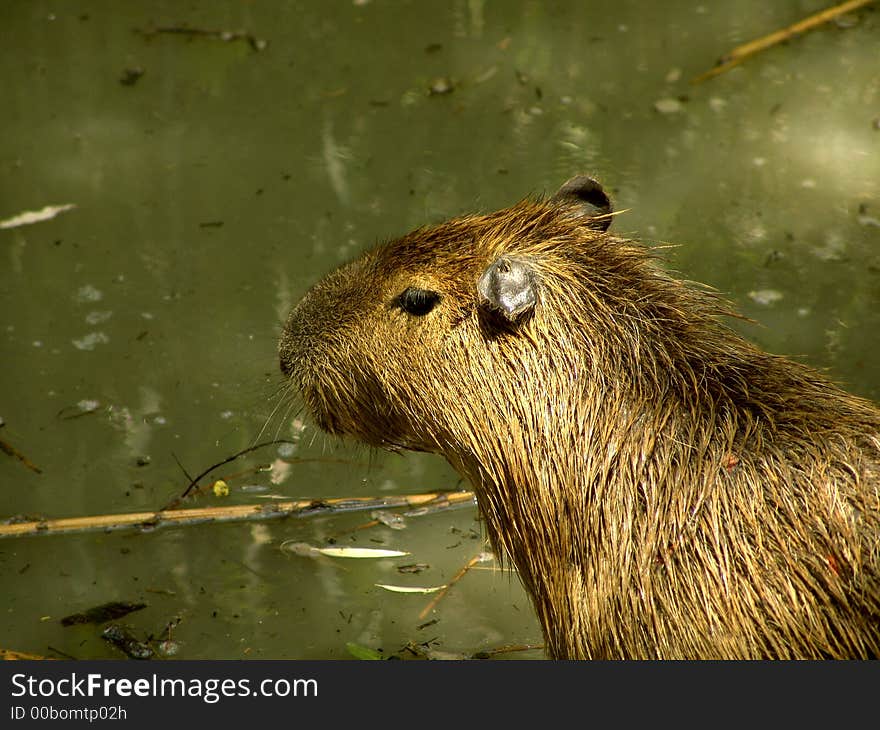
663, 488
418, 339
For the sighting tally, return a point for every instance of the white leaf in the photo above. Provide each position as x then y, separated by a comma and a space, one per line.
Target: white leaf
409, 589
355, 552
35, 216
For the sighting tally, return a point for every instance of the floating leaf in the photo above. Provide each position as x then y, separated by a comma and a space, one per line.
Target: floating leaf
35, 216
668, 106
221, 488
104, 612
409, 589
362, 652
355, 552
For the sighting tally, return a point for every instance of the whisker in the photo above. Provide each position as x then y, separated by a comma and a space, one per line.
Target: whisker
284, 393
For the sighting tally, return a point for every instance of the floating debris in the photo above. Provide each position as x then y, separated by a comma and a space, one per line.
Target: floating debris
441, 86
362, 652
409, 589
130, 76
256, 44
744, 51
413, 568
486, 75
169, 648
90, 341
356, 552
101, 614
302, 549
8, 448
82, 408
28, 217
668, 106
765, 296
88, 293
255, 489
279, 470
97, 317
390, 519
123, 639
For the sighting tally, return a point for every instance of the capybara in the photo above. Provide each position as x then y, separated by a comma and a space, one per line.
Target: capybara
663, 488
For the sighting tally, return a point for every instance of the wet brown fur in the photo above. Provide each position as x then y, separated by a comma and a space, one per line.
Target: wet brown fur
663, 488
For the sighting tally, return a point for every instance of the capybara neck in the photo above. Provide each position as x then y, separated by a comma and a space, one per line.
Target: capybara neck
663, 488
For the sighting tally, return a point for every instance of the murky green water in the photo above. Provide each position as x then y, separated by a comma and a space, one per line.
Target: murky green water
214, 187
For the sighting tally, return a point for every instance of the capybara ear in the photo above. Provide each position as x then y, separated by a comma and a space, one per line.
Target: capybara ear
508, 287
590, 198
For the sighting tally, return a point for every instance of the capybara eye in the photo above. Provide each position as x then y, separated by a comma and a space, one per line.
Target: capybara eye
417, 301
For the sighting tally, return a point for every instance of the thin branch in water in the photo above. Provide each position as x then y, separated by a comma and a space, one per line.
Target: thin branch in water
235, 456
16, 454
182, 467
256, 44
457, 577
60, 653
232, 513
741, 53
440, 504
489, 653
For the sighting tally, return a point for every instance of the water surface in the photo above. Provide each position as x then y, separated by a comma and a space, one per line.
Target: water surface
215, 180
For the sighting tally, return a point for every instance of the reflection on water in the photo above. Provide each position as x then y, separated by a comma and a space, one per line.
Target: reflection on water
214, 182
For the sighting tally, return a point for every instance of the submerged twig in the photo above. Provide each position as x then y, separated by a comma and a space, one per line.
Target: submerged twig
15, 453
256, 44
425, 650
507, 649
741, 53
441, 504
302, 507
457, 577
193, 482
